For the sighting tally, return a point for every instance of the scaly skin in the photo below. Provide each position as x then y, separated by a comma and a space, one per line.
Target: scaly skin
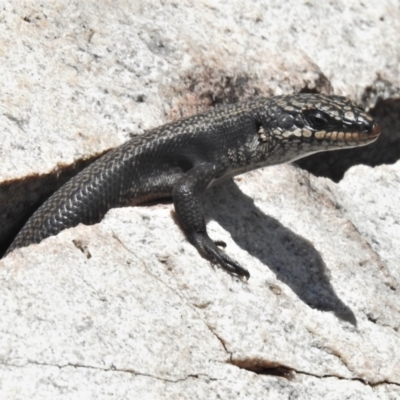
183, 158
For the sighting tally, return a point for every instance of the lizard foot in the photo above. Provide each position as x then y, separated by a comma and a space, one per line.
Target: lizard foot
209, 250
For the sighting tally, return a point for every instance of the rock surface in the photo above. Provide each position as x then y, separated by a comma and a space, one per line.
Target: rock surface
121, 307
127, 308
376, 195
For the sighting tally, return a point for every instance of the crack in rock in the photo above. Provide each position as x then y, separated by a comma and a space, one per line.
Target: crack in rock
112, 369
265, 367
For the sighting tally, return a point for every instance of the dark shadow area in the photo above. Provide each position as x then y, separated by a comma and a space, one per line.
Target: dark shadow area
19, 199
292, 258
386, 150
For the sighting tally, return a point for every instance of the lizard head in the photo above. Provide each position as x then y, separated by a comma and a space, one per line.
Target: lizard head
314, 122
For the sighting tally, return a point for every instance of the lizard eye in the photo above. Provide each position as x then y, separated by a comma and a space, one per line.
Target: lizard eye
317, 120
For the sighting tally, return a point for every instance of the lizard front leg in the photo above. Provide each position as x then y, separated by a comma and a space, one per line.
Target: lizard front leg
186, 195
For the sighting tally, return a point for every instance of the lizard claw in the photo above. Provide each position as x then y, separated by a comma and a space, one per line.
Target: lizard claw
209, 250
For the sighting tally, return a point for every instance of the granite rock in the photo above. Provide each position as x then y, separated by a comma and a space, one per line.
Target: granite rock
127, 308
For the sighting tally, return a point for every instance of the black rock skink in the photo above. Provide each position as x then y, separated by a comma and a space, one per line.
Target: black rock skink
181, 159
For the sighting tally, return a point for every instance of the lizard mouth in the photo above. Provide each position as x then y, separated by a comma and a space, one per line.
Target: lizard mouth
351, 136
366, 136
357, 136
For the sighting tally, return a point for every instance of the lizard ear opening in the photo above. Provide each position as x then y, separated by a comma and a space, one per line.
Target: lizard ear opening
262, 136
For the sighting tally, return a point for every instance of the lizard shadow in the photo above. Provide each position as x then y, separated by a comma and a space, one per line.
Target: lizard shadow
292, 258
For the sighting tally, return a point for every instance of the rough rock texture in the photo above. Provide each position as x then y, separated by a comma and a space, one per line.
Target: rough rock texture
127, 308
122, 307
376, 195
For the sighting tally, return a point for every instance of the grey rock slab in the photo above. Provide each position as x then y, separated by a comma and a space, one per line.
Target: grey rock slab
103, 324
128, 306
375, 192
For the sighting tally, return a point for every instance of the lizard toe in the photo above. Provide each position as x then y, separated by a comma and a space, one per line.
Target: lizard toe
209, 250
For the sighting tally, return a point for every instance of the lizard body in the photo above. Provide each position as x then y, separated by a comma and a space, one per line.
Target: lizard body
183, 158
